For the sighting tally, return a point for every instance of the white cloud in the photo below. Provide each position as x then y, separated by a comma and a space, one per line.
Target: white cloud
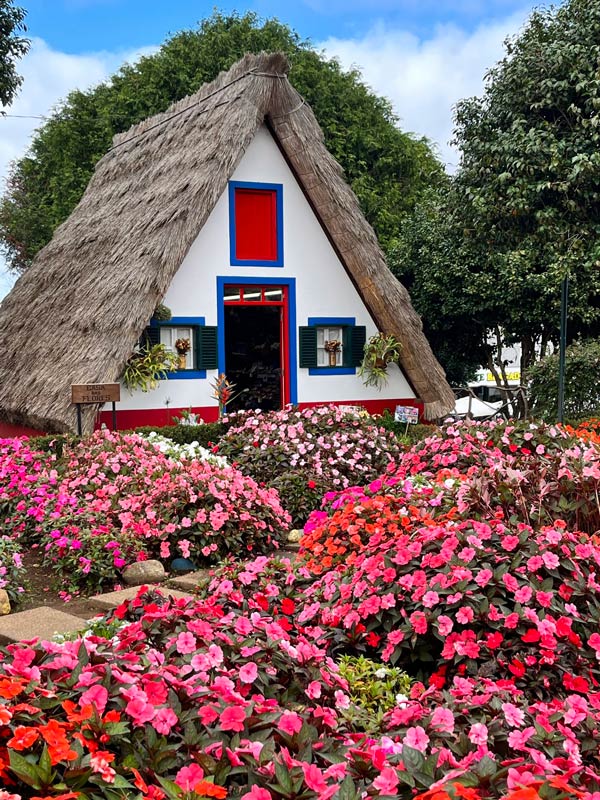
48, 76
424, 78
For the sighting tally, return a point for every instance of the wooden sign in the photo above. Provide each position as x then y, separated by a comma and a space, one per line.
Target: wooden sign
95, 393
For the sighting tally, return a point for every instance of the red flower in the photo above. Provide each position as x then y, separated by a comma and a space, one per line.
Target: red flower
287, 606
311, 485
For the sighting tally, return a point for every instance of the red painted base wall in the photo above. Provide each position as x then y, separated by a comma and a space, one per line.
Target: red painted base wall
8, 431
159, 417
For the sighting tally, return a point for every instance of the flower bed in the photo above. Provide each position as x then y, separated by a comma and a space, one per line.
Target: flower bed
306, 453
116, 498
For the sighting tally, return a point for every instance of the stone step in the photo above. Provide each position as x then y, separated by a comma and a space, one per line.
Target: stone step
37, 623
191, 581
110, 600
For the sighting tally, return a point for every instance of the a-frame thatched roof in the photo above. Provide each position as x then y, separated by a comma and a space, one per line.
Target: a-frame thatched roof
76, 314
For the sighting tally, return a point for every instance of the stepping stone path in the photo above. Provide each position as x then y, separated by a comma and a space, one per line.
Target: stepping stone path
45, 622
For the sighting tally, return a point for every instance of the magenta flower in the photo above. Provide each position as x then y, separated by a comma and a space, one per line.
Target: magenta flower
232, 719
249, 672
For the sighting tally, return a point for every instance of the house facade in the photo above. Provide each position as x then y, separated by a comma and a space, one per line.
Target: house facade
228, 209
257, 297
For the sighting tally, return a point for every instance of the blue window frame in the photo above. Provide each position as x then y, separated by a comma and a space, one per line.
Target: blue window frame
344, 323
277, 188
185, 322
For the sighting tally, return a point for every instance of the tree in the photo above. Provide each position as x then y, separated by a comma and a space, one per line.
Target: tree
13, 46
528, 185
582, 390
387, 169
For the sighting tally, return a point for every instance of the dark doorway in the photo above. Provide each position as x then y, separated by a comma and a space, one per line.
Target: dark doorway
253, 356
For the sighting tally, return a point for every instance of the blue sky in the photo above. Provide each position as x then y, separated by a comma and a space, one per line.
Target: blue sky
423, 55
75, 26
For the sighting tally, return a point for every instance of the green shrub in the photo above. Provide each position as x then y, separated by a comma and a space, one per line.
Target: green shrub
582, 391
53, 442
407, 434
374, 689
206, 434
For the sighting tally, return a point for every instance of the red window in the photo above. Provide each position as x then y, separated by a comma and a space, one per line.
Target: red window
256, 225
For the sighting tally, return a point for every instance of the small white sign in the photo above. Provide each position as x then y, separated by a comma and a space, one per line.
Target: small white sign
407, 414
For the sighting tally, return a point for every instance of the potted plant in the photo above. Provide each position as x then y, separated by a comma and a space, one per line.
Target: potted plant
333, 348
380, 350
147, 366
162, 313
183, 348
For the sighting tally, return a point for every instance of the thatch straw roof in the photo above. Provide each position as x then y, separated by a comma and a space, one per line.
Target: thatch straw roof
77, 312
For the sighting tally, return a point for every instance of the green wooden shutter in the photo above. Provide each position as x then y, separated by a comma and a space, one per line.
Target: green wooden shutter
207, 347
150, 336
354, 345
308, 346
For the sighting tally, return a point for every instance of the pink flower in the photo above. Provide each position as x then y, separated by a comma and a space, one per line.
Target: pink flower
186, 643
313, 690
484, 577
314, 778
444, 624
256, 793
290, 722
464, 615
518, 739
96, 696
551, 560
140, 710
232, 719
164, 720
430, 599
416, 738
249, 672
387, 781
419, 622
478, 733
443, 719
188, 777
514, 716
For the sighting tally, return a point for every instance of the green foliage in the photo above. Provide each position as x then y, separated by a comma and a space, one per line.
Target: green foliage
205, 435
13, 46
374, 689
386, 168
13, 575
446, 285
408, 433
380, 350
147, 366
528, 186
53, 443
582, 391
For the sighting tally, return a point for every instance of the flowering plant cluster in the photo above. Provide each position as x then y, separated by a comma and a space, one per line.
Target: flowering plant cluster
305, 453
192, 451
115, 498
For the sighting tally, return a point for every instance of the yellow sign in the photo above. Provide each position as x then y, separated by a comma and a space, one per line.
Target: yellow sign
510, 376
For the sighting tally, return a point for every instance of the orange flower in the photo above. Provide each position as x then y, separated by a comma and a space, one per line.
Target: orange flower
466, 792
23, 738
207, 789
73, 713
526, 793
11, 687
5, 715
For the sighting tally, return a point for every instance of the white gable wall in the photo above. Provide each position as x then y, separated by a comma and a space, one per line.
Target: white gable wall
323, 288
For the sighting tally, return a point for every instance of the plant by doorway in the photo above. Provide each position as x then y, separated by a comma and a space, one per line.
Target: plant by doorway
222, 391
380, 350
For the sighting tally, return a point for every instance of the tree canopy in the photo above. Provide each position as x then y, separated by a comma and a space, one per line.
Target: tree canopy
13, 46
523, 211
388, 169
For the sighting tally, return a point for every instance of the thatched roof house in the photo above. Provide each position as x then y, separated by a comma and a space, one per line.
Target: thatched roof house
76, 314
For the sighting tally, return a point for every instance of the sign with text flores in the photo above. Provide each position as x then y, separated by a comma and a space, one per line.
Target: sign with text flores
86, 393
